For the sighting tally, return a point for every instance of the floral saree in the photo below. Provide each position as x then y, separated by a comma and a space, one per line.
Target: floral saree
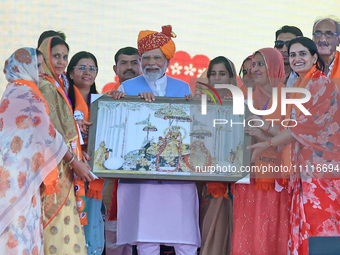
315, 206
30, 149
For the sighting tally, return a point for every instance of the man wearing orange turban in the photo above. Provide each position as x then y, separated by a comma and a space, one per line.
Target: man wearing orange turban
149, 40
156, 50
151, 213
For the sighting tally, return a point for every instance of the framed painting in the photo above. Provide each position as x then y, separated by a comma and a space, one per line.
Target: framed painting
168, 139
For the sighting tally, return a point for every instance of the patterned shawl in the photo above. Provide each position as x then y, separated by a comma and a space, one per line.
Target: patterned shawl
318, 134
30, 148
61, 115
334, 72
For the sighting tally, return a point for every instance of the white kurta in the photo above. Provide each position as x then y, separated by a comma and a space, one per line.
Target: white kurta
158, 213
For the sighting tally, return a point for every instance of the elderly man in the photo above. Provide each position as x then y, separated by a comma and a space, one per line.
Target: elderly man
283, 37
326, 35
151, 213
127, 66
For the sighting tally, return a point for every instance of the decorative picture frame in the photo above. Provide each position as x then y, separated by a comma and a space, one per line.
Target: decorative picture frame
168, 139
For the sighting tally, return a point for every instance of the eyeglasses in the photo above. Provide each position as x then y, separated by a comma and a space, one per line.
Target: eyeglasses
327, 34
83, 68
279, 44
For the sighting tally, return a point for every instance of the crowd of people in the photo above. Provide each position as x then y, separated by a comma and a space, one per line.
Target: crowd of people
51, 203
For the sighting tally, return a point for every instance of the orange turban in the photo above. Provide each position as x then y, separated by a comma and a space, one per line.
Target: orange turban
150, 40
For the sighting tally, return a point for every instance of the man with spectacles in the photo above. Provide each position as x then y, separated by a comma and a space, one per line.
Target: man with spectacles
326, 37
283, 37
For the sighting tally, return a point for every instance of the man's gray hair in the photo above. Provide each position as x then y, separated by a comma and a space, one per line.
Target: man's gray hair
331, 18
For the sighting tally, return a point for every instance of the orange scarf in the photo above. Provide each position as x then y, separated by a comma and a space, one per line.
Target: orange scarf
52, 77
115, 87
300, 83
322, 124
217, 189
263, 100
62, 92
335, 72
51, 180
53, 177
95, 187
266, 181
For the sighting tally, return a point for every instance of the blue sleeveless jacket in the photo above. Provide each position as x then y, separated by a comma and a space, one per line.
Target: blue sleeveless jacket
174, 87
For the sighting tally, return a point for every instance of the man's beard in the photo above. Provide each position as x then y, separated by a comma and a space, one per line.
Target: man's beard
153, 77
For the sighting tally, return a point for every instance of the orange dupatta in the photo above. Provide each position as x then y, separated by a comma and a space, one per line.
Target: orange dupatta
300, 83
334, 73
115, 87
95, 187
324, 102
51, 180
71, 136
269, 157
263, 100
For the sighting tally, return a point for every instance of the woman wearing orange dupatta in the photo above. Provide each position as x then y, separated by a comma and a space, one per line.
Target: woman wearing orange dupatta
260, 212
30, 149
62, 226
81, 73
313, 143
